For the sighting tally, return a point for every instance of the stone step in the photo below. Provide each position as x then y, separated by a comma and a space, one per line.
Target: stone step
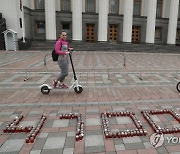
106, 47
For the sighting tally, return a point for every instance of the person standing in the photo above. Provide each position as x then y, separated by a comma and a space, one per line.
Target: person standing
62, 49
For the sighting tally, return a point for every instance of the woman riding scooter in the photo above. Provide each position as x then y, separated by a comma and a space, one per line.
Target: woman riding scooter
62, 49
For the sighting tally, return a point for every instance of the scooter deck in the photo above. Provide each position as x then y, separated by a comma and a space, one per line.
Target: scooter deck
59, 88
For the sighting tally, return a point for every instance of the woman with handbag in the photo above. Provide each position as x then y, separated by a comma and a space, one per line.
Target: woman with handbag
62, 49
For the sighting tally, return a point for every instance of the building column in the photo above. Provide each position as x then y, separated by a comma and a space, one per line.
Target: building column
50, 16
103, 20
128, 18
76, 20
172, 27
151, 21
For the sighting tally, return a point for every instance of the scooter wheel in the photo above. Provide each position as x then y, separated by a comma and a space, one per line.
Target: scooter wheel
45, 90
78, 89
178, 87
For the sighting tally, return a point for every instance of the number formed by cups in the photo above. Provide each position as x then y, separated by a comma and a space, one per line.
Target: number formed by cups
13, 127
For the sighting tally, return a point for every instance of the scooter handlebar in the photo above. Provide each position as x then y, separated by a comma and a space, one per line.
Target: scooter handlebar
70, 49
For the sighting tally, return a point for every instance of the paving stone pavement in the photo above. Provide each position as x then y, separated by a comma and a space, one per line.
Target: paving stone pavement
112, 82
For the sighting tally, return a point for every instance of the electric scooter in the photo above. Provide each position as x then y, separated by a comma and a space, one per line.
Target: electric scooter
178, 86
45, 88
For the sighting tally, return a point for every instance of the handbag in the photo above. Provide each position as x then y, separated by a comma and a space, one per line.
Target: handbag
54, 55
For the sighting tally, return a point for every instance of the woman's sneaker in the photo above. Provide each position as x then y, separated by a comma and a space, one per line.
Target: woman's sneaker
62, 85
65, 86
54, 83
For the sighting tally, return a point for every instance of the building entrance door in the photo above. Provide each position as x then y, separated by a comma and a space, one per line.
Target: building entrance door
136, 34
113, 33
90, 32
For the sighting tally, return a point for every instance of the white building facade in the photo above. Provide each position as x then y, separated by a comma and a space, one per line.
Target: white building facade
114, 21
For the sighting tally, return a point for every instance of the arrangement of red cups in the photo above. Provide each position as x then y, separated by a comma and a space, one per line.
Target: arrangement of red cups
155, 127
13, 128
80, 124
33, 131
139, 131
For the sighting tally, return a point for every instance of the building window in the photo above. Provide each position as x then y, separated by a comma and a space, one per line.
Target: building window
159, 8
114, 6
137, 8
158, 33
90, 5
178, 35
40, 27
65, 5
39, 4
66, 27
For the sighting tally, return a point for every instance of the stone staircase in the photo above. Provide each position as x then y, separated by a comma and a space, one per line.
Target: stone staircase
81, 46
